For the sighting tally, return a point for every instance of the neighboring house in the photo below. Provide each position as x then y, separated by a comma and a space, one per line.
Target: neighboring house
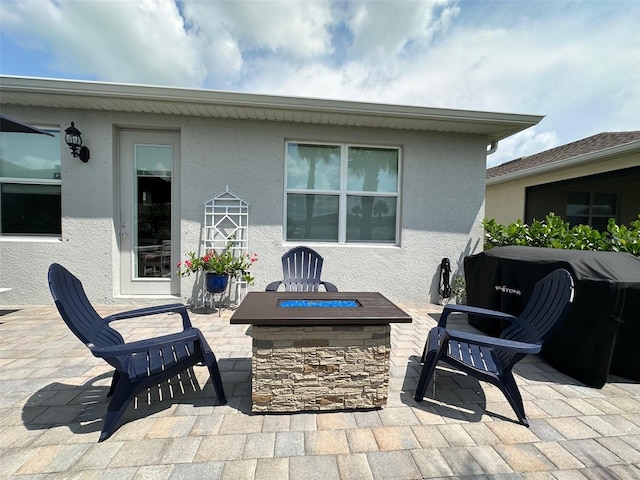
584, 182
383, 192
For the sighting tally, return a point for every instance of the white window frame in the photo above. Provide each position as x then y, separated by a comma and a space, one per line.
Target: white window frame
343, 194
33, 181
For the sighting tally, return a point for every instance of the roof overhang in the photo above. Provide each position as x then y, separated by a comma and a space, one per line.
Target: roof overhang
85, 95
584, 159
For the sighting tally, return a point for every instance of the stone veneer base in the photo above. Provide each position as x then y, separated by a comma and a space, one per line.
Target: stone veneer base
329, 367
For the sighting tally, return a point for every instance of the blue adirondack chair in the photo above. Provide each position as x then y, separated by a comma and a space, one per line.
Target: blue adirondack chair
301, 269
139, 364
491, 359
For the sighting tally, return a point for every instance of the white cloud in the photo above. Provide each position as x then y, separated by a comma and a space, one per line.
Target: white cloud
142, 41
250, 32
385, 30
521, 144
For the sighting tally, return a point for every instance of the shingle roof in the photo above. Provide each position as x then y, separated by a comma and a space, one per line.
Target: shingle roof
574, 149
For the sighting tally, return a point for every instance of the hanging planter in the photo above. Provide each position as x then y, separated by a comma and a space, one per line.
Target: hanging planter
216, 283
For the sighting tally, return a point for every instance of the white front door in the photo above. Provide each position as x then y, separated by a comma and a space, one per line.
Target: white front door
149, 212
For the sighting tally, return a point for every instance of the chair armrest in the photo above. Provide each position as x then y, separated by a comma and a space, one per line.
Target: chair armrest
140, 346
483, 312
142, 312
329, 287
273, 286
493, 342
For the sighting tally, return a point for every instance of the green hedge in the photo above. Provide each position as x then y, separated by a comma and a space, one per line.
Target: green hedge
554, 232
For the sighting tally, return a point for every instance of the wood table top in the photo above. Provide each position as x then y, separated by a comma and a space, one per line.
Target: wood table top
262, 308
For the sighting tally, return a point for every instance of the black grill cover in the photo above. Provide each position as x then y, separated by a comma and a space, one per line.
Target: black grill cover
601, 333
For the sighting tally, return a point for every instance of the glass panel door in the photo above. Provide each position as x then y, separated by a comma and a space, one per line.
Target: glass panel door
152, 232
148, 213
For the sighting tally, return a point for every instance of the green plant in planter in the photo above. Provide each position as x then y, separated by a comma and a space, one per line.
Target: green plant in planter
219, 263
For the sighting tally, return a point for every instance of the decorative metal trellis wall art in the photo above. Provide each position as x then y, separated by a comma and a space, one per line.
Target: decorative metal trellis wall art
226, 221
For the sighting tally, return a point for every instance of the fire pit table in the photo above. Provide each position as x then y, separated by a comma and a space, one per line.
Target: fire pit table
319, 351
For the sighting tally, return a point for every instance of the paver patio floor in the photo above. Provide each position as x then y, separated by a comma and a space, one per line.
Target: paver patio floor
53, 398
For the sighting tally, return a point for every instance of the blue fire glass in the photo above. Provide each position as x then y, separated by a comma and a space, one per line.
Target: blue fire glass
318, 303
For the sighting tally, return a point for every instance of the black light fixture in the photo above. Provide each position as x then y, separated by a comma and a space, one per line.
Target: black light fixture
74, 140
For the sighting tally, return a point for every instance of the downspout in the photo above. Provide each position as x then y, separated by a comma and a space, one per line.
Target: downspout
493, 146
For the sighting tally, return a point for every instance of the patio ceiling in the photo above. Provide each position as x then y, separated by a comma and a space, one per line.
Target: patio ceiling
50, 93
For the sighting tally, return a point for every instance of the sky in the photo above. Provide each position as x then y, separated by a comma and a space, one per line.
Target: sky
576, 62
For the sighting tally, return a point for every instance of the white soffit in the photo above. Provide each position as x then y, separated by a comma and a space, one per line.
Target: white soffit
68, 94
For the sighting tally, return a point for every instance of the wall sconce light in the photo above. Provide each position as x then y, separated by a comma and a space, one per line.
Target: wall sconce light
74, 140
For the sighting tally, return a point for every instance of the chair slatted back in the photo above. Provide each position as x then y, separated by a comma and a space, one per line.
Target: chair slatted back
301, 268
549, 303
78, 313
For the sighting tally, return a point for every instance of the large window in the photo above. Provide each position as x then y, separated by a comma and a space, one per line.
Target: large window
342, 193
30, 181
591, 208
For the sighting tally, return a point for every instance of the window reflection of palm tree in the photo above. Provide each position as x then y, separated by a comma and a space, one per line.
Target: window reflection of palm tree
311, 154
380, 208
369, 164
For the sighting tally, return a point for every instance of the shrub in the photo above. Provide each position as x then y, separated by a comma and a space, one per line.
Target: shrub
554, 232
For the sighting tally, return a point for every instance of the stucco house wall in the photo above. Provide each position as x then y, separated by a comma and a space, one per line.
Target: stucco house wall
442, 185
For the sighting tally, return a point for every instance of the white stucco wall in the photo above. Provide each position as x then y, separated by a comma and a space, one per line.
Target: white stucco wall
442, 205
